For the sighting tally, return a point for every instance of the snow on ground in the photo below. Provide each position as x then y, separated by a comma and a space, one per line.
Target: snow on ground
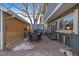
23, 46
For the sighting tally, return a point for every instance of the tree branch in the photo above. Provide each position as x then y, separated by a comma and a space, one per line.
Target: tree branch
38, 14
26, 11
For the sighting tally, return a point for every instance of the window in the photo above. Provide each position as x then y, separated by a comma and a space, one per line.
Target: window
54, 28
61, 25
66, 23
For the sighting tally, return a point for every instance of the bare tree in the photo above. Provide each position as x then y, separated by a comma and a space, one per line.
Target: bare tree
35, 13
39, 11
35, 10
26, 11
33, 5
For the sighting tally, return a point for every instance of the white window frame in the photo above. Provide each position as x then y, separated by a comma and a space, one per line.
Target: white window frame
71, 14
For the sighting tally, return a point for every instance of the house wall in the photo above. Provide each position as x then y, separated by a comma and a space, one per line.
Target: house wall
74, 41
71, 40
14, 31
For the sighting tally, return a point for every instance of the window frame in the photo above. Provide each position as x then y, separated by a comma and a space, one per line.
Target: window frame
75, 30
63, 30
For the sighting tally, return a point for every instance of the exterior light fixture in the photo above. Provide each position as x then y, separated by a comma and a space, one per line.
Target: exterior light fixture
68, 27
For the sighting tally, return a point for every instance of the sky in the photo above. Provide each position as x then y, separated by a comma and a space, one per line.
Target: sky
68, 18
17, 8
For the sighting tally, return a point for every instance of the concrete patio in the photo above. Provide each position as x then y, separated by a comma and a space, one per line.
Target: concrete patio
45, 47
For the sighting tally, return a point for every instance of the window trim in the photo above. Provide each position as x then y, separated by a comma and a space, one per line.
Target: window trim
75, 23
63, 30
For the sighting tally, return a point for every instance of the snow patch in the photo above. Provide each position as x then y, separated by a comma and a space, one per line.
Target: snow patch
23, 46
26, 39
66, 52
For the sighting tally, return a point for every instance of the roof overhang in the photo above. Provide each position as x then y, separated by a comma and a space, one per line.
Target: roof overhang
60, 9
12, 13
